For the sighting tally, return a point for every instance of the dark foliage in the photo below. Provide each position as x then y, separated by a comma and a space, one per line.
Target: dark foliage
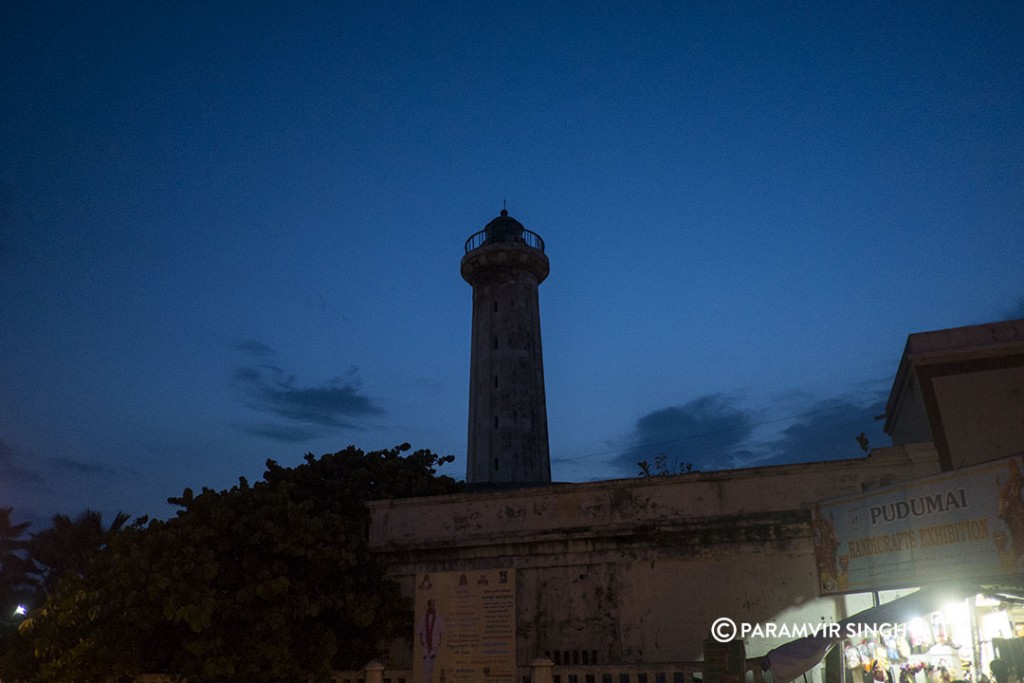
265, 582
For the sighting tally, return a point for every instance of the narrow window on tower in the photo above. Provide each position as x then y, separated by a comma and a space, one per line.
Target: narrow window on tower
495, 306
495, 421
495, 344
495, 381
495, 464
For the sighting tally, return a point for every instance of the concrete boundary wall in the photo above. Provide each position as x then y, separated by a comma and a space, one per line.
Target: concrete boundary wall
634, 571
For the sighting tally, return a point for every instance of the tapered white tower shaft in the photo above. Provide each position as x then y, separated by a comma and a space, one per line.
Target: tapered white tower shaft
508, 424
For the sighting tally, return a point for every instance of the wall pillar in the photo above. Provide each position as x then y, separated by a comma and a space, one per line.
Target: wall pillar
374, 671
540, 670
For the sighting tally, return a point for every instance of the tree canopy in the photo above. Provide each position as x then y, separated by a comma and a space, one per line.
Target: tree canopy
17, 587
265, 582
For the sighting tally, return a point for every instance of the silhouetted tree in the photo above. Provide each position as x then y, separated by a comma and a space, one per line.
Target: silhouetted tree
69, 545
18, 588
15, 569
264, 582
662, 468
32, 568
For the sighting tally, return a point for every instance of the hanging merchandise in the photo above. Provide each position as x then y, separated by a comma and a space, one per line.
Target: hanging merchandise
920, 636
852, 656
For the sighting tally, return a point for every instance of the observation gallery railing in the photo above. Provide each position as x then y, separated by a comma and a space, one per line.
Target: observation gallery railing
505, 236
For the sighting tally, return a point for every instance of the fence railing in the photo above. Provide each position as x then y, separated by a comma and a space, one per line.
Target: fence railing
543, 670
610, 673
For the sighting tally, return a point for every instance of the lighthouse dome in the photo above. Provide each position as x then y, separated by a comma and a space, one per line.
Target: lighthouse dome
504, 228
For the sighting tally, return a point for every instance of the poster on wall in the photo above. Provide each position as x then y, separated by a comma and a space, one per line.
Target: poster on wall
465, 627
957, 525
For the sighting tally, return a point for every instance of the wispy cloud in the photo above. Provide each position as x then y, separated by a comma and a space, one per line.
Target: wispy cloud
254, 348
268, 388
80, 466
284, 433
11, 470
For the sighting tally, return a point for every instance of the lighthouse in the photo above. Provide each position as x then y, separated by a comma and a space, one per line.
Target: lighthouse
508, 424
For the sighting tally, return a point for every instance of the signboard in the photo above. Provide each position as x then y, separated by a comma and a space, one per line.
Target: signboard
956, 525
465, 627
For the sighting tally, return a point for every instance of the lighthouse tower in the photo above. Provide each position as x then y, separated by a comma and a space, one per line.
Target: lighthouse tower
508, 423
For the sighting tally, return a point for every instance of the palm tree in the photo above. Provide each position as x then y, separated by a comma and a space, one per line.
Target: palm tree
69, 545
19, 590
15, 568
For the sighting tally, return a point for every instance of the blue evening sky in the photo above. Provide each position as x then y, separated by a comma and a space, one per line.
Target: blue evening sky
231, 231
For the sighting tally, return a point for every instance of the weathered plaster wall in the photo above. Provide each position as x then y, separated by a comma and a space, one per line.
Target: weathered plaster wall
669, 604
963, 390
982, 414
636, 570
910, 418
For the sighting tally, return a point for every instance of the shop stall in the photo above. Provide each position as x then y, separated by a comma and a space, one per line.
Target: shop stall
961, 536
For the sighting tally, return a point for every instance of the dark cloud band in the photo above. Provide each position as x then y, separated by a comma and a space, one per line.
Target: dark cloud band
713, 433
269, 389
